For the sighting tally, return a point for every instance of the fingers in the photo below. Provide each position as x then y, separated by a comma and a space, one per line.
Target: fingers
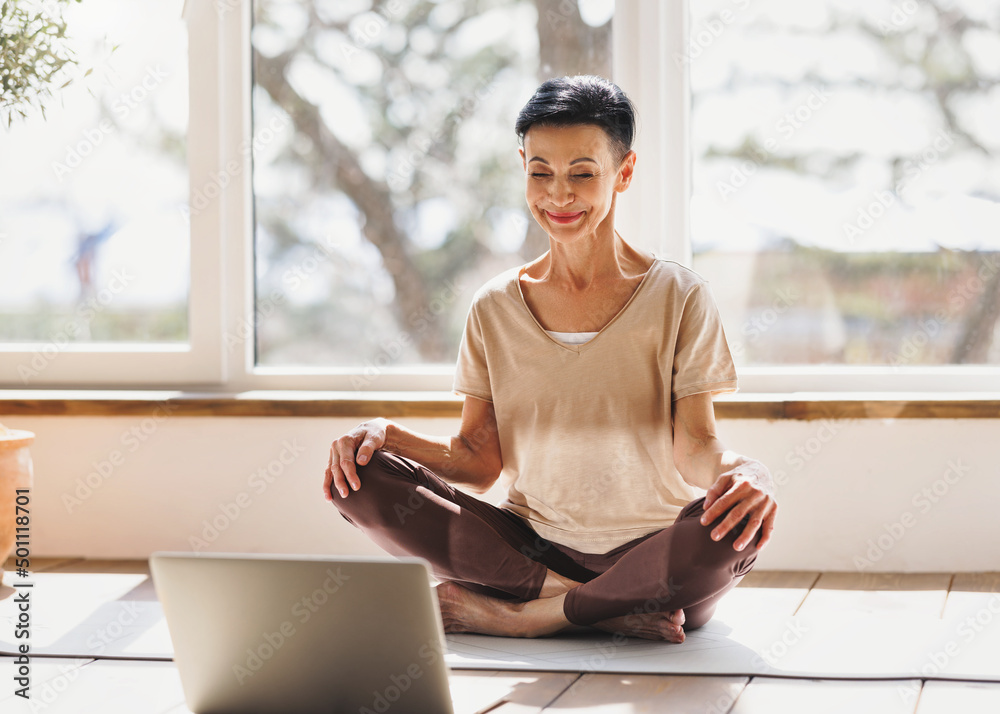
341, 472
328, 480
741, 500
718, 488
724, 495
349, 474
753, 525
732, 519
371, 443
768, 526
759, 515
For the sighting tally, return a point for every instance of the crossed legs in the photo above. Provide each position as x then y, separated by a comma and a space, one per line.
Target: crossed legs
504, 579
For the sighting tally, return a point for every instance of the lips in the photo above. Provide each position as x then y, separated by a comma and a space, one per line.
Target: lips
563, 217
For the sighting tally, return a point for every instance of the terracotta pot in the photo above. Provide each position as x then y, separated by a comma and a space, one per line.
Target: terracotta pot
15, 473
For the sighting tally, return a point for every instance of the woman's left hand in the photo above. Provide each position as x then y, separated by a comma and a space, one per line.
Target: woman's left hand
744, 491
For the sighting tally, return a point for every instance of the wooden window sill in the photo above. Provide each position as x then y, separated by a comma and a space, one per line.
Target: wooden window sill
794, 406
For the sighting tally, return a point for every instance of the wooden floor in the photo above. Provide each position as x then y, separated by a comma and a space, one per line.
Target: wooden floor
133, 687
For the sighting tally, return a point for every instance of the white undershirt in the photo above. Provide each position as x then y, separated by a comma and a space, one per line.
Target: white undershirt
572, 338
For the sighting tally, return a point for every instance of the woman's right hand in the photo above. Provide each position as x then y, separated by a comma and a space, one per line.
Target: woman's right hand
357, 445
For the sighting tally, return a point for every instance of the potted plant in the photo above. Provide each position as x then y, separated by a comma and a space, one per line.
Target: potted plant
34, 54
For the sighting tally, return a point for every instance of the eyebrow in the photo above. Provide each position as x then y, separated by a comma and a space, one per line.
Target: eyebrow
574, 161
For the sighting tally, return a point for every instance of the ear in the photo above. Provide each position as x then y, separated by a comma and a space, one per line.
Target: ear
625, 172
524, 165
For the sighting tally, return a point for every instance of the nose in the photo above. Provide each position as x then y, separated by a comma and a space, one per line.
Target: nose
561, 193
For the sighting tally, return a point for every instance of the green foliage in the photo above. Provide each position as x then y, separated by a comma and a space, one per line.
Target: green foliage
34, 54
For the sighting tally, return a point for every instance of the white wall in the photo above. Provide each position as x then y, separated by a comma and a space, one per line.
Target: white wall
844, 487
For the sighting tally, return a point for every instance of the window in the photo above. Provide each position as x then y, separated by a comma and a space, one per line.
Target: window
94, 236
352, 178
390, 187
845, 180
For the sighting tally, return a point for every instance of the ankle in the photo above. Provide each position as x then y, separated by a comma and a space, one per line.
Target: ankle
521, 618
541, 617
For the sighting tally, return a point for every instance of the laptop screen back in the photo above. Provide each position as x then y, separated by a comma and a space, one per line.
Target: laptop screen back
267, 634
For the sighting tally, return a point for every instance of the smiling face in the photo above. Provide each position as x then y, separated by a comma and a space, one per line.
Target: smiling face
572, 177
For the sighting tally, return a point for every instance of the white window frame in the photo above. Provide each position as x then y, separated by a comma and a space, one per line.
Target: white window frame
58, 362
648, 35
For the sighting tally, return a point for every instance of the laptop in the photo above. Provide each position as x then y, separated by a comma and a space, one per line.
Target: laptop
296, 634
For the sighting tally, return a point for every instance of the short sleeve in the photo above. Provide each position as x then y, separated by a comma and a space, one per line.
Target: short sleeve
702, 361
472, 376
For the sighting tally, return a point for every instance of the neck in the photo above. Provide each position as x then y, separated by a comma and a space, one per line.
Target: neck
598, 257
588, 259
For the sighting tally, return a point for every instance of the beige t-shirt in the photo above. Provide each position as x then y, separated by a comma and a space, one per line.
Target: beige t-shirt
585, 430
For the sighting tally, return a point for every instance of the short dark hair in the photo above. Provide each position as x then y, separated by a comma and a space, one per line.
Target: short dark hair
582, 99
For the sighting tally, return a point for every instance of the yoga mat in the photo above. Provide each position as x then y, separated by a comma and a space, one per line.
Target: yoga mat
858, 647
86, 615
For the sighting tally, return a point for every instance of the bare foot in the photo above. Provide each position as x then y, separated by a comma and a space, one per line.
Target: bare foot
465, 611
651, 626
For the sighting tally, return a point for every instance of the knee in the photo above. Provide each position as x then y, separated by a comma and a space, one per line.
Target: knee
372, 476
388, 495
722, 554
701, 558
726, 546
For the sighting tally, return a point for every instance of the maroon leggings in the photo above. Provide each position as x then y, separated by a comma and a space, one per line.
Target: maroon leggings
408, 510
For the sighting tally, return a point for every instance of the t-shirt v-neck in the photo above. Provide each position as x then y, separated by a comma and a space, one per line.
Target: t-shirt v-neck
551, 334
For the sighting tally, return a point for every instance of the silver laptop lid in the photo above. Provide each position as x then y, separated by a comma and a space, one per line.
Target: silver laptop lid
269, 634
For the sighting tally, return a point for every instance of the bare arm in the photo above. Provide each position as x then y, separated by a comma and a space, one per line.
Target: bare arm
470, 459
737, 484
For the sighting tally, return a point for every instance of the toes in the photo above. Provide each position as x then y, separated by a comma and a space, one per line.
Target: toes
673, 635
653, 626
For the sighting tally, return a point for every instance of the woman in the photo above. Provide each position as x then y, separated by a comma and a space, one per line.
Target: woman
588, 376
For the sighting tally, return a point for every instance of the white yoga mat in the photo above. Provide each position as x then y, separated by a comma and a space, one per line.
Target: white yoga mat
859, 647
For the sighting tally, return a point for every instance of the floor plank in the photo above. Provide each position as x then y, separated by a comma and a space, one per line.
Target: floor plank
976, 582
143, 590
777, 592
792, 696
103, 566
973, 592
631, 694
49, 677
117, 687
951, 697
82, 613
497, 692
121, 687
793, 579
973, 611
39, 565
922, 594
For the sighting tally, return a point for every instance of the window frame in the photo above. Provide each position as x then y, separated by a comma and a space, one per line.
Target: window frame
647, 36
59, 362
660, 86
